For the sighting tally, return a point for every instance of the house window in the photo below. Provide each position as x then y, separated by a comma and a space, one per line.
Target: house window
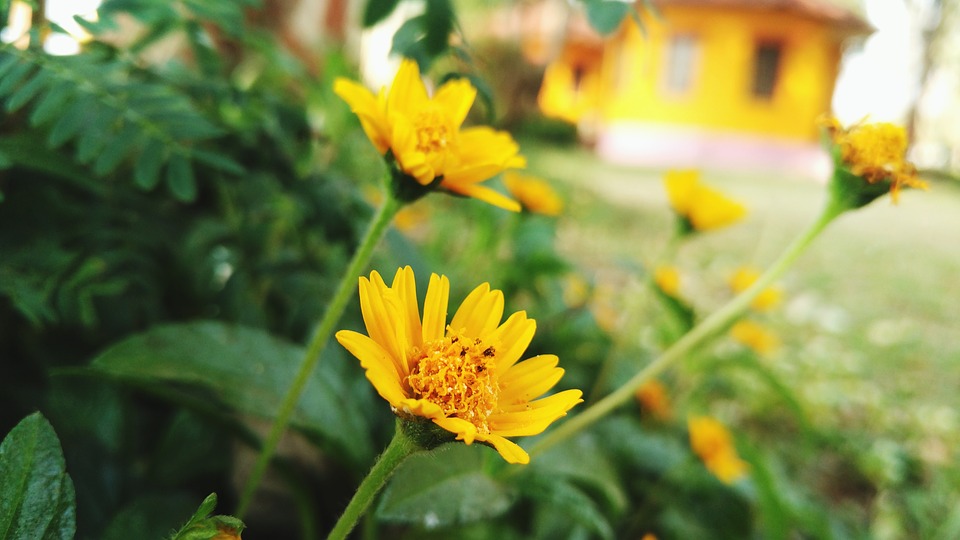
766, 68
681, 61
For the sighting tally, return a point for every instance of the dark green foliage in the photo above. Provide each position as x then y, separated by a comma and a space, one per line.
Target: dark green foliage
109, 115
450, 485
37, 499
246, 370
605, 16
425, 37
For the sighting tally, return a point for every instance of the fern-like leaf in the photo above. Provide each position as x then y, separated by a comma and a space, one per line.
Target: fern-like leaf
109, 115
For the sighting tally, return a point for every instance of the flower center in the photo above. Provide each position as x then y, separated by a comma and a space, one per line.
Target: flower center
433, 131
875, 151
458, 375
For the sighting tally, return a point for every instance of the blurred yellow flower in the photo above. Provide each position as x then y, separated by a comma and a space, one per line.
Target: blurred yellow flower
710, 440
667, 278
424, 134
756, 336
875, 152
700, 206
576, 290
408, 219
744, 277
652, 396
464, 376
534, 194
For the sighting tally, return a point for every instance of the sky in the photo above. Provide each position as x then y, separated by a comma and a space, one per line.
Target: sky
879, 81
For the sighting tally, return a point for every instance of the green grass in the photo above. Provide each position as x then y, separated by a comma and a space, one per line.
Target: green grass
870, 318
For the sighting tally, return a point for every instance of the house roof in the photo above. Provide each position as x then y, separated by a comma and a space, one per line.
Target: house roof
823, 10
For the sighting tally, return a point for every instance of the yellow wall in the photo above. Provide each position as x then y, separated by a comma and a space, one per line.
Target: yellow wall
720, 98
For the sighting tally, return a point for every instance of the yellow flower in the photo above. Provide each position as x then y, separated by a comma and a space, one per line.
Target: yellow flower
425, 137
744, 277
652, 396
701, 207
710, 440
667, 278
465, 375
226, 533
534, 194
755, 336
875, 152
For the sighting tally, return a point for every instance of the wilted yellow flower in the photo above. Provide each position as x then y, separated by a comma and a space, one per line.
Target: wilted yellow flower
652, 396
701, 207
875, 152
667, 278
768, 298
755, 336
710, 440
465, 375
576, 290
425, 137
534, 194
226, 533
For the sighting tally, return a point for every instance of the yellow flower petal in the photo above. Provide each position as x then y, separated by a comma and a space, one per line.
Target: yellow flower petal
703, 207
435, 308
465, 430
456, 97
530, 378
370, 110
512, 338
380, 367
534, 194
509, 450
407, 93
536, 416
480, 312
484, 194
680, 188
406, 287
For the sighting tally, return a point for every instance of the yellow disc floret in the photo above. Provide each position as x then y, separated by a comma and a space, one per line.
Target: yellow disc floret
459, 376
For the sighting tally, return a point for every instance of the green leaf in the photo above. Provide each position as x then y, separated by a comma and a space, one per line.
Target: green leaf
217, 161
36, 494
446, 486
246, 369
50, 104
14, 76
70, 122
438, 22
377, 10
117, 149
582, 460
180, 179
559, 495
96, 134
605, 16
640, 450
8, 62
146, 174
26, 92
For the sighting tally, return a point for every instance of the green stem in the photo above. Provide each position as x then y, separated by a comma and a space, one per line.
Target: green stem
620, 338
399, 449
345, 289
709, 327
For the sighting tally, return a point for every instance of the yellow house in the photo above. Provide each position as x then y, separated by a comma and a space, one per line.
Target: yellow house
726, 83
